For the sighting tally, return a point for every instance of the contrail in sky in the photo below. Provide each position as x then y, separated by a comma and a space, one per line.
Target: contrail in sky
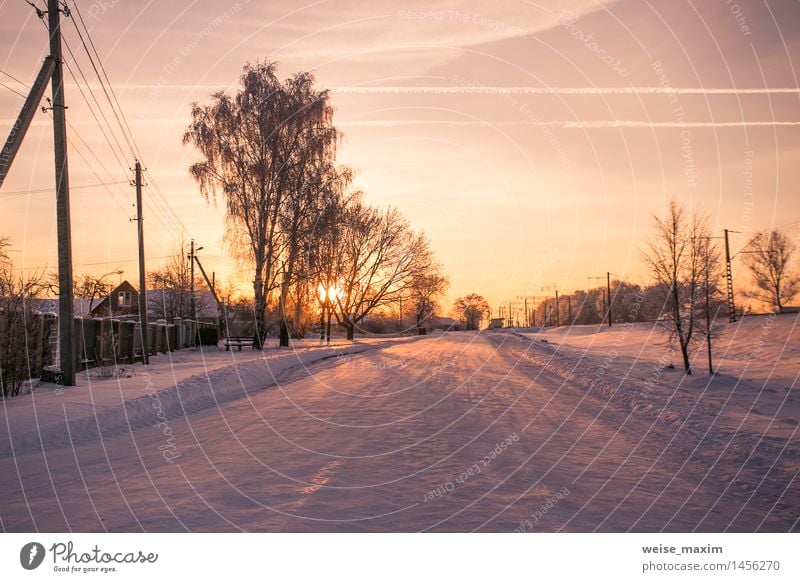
471, 89
487, 90
562, 123
599, 124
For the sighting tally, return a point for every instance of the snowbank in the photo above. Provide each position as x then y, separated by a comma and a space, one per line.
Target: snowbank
185, 384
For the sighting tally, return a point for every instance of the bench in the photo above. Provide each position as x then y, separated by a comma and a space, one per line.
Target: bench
238, 342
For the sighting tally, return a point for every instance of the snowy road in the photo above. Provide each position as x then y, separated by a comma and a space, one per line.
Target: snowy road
457, 432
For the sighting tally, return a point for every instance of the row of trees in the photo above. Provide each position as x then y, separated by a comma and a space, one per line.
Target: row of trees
293, 218
18, 290
684, 260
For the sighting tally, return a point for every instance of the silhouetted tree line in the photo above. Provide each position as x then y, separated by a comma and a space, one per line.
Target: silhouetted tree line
293, 217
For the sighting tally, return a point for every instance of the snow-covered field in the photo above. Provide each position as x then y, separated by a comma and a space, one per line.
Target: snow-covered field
590, 430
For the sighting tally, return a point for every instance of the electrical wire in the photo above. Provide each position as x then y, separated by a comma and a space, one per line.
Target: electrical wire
53, 190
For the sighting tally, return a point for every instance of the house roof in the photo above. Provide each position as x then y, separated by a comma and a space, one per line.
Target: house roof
125, 286
80, 306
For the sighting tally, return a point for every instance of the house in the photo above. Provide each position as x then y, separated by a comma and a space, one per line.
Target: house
169, 303
80, 306
123, 300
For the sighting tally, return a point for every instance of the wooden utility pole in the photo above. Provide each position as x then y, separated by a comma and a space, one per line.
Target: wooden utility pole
66, 345
142, 282
191, 282
211, 287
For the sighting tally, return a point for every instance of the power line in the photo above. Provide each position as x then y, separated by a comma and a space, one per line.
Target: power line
100, 78
160, 212
88, 148
119, 114
51, 190
14, 78
97, 264
12, 90
100, 109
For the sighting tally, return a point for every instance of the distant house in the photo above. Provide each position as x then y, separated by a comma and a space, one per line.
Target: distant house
123, 300
169, 303
80, 306
497, 323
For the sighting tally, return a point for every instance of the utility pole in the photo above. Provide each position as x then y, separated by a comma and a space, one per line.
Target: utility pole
142, 283
729, 276
212, 287
191, 282
608, 294
66, 345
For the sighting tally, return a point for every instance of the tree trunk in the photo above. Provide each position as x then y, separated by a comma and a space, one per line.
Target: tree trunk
283, 339
259, 312
679, 327
685, 353
351, 328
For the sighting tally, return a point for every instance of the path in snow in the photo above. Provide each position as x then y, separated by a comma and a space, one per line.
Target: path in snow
456, 432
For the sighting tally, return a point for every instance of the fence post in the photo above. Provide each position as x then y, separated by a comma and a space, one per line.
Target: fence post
152, 335
127, 340
179, 337
77, 341
38, 347
88, 343
137, 342
49, 338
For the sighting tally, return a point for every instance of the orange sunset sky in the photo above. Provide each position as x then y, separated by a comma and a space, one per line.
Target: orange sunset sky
531, 141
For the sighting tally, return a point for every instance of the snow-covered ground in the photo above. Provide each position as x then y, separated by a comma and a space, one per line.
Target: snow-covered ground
589, 430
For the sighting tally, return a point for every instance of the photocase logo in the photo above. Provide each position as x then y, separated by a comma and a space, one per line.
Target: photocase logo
31, 555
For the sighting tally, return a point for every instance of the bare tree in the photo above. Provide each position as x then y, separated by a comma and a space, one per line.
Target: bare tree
378, 259
425, 294
86, 286
17, 327
769, 261
170, 289
679, 253
260, 147
471, 309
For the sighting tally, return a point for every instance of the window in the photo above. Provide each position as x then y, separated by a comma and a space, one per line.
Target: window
124, 299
